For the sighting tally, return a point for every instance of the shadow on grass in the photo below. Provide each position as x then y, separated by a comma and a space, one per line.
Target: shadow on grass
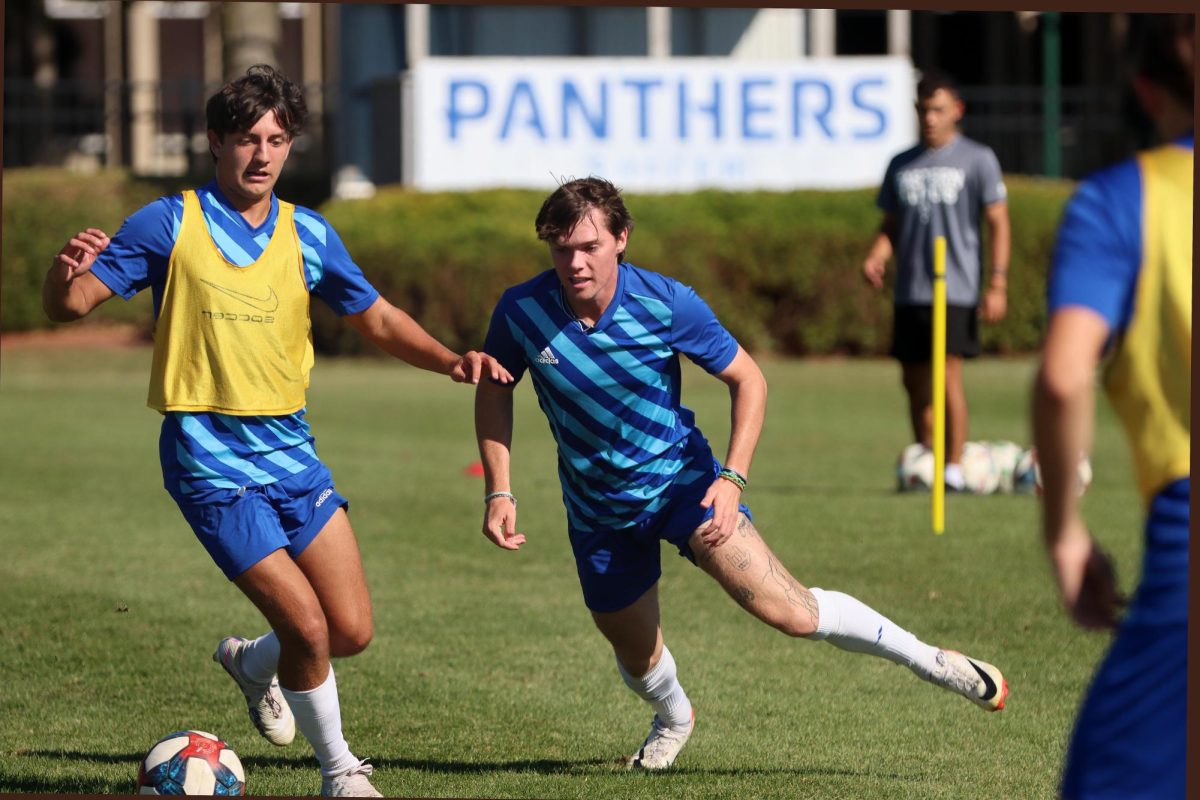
545, 766
597, 765
95, 785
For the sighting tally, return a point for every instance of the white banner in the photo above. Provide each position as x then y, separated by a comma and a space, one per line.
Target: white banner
659, 125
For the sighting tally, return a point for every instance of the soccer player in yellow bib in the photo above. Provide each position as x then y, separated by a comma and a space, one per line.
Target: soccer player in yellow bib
1121, 289
231, 268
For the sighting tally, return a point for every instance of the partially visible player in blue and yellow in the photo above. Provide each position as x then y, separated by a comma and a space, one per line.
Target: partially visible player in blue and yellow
601, 341
1120, 295
231, 269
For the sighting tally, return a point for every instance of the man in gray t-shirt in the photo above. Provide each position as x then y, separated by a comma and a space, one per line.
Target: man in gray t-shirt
941, 187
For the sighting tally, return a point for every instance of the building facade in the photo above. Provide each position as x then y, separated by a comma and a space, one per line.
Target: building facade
92, 83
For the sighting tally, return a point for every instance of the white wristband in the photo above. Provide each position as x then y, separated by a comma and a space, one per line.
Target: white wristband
494, 495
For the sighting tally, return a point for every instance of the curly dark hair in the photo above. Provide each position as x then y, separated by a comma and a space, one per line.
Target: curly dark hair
571, 202
243, 101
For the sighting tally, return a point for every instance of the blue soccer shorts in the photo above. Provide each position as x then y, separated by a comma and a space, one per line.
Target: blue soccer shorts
240, 527
619, 566
1130, 740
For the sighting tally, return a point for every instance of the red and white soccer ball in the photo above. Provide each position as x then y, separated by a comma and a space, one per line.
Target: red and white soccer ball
191, 762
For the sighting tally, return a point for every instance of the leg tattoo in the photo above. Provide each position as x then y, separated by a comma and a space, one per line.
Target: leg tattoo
810, 606
795, 594
738, 558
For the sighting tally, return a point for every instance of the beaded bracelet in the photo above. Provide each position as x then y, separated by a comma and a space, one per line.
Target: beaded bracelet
494, 495
734, 477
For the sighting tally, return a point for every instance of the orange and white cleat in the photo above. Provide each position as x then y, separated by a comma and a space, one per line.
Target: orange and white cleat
978, 681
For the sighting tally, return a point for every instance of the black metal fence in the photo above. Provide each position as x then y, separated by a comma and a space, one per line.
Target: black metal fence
1095, 127
46, 125
92, 122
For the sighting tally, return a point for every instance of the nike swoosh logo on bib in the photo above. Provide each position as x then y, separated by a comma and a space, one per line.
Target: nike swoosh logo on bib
268, 304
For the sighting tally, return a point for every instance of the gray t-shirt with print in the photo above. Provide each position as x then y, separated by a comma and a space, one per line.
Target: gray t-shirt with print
940, 192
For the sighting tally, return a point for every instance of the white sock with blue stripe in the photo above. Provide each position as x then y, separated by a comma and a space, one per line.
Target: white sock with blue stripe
849, 624
660, 688
318, 715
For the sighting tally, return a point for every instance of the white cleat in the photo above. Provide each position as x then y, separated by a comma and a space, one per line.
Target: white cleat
268, 709
352, 783
978, 681
662, 746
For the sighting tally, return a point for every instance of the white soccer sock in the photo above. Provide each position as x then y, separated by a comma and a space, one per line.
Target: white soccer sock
319, 717
260, 658
660, 688
848, 624
954, 476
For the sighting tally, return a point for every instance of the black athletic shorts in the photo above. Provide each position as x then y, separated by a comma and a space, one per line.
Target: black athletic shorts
912, 333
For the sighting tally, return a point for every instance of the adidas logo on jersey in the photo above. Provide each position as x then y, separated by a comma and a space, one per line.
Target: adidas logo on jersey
546, 357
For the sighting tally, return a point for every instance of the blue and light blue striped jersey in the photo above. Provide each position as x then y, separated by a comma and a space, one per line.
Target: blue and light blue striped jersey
205, 451
612, 392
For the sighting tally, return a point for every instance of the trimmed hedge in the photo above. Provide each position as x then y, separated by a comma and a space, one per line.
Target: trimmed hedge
42, 210
781, 269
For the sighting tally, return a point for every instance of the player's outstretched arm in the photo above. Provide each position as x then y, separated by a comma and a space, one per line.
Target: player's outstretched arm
400, 335
875, 264
1063, 413
994, 305
493, 430
748, 407
70, 291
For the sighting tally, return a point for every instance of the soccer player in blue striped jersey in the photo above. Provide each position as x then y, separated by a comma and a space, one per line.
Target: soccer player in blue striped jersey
1120, 292
601, 340
231, 268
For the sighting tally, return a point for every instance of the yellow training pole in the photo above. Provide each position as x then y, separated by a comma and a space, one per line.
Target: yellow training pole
939, 384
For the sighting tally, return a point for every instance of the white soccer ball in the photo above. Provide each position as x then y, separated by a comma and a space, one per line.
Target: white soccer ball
1005, 457
1027, 479
1028, 475
980, 475
191, 762
1083, 474
914, 468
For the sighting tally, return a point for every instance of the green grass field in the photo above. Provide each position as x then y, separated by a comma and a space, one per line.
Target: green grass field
486, 677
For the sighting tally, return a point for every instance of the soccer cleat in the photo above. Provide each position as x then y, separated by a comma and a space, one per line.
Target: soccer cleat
352, 783
661, 747
268, 709
978, 681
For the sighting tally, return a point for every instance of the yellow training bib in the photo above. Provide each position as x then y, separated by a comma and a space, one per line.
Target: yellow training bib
1149, 377
234, 340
